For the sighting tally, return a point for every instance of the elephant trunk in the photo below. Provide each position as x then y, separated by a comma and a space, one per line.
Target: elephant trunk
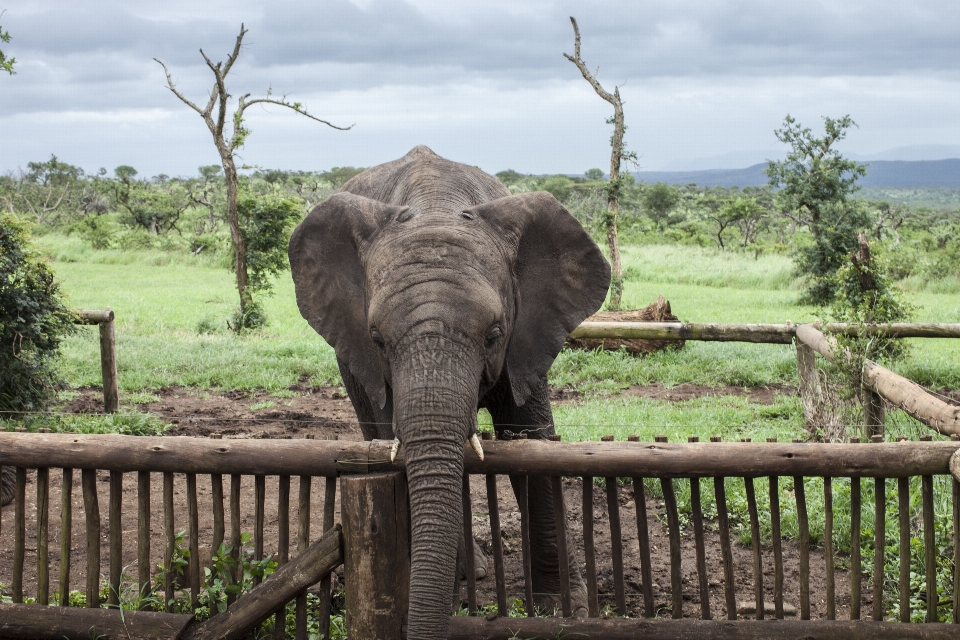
435, 404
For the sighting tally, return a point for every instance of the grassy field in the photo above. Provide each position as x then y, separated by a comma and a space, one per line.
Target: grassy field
172, 312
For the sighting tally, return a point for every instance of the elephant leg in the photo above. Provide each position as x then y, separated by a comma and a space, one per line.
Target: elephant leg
536, 420
8, 480
375, 423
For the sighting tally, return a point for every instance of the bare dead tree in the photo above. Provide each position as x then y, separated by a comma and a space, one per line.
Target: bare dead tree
617, 155
214, 114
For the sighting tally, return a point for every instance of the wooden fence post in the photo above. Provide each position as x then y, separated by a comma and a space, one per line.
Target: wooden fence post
376, 557
811, 393
873, 414
108, 365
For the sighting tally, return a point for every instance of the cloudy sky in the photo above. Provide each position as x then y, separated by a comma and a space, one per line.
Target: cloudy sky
705, 82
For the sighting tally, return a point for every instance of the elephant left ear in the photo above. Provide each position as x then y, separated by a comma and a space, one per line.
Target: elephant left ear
561, 278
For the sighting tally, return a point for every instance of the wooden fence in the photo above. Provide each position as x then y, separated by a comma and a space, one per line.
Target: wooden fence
108, 353
197, 467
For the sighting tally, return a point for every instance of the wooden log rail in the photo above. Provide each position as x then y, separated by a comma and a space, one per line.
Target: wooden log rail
895, 389
108, 353
179, 454
763, 333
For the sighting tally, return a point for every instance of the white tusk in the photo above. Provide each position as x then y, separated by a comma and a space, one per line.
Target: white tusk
475, 444
394, 449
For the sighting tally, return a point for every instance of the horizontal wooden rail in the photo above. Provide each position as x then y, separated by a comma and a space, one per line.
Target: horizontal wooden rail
474, 628
94, 316
897, 390
521, 457
764, 333
34, 622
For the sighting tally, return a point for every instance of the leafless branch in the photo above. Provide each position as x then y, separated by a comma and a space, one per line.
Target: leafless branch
283, 103
173, 88
613, 98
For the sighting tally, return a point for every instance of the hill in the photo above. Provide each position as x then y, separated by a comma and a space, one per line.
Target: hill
880, 174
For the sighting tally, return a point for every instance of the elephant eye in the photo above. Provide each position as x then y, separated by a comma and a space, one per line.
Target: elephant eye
493, 335
377, 338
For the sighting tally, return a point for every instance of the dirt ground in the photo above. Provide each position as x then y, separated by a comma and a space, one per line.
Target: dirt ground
325, 412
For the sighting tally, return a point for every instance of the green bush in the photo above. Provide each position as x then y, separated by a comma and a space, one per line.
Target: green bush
33, 321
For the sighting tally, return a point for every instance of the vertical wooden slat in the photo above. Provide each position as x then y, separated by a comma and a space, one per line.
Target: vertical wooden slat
493, 508
523, 499
855, 566
219, 519
828, 548
193, 531
329, 510
643, 541
115, 528
697, 511
755, 536
956, 550
143, 537
91, 508
469, 560
235, 480
560, 520
879, 527
616, 545
283, 545
903, 508
929, 546
725, 551
43, 536
804, 527
66, 535
303, 541
169, 539
775, 536
259, 498
589, 551
19, 533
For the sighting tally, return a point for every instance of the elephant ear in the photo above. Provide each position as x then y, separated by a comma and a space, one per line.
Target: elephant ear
329, 279
561, 278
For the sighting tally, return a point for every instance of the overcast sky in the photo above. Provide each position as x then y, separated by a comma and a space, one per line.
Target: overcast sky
483, 83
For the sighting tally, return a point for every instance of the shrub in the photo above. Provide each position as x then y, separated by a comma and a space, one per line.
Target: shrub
33, 321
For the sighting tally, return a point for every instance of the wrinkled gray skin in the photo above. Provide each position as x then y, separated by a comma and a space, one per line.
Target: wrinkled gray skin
441, 293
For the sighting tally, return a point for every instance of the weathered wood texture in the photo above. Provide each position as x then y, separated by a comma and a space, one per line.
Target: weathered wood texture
57, 623
766, 333
475, 628
376, 562
259, 603
93, 316
895, 389
534, 457
108, 366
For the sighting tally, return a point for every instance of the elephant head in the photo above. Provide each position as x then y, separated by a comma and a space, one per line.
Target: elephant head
430, 292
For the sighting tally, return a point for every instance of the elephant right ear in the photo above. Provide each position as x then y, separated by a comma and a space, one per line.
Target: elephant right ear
329, 279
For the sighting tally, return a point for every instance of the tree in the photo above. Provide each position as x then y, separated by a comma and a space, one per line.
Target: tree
215, 114
47, 189
155, 206
33, 321
618, 154
816, 182
593, 174
659, 199
6, 64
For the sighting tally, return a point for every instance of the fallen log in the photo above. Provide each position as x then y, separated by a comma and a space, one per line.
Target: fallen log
658, 312
895, 389
474, 628
258, 604
56, 623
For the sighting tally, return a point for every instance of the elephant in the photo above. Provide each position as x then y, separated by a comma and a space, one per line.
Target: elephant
441, 293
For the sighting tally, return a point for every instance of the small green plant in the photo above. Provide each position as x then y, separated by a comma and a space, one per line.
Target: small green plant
266, 404
207, 325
